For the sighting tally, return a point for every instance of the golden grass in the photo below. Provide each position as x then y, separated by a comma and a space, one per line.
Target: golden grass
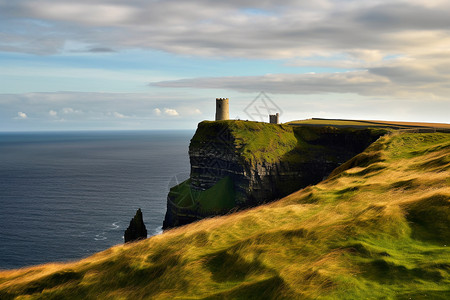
369, 123
423, 124
366, 232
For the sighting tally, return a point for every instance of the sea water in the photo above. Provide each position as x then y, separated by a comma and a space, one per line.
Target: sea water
65, 196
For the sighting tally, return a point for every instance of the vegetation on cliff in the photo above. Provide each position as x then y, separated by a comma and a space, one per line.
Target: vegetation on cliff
215, 199
238, 164
379, 227
255, 142
258, 142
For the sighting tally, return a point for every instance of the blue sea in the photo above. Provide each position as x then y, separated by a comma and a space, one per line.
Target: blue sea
65, 196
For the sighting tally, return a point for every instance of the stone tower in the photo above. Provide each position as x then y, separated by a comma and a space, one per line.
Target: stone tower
222, 109
274, 119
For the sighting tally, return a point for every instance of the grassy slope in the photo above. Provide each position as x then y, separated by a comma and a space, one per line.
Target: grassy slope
378, 228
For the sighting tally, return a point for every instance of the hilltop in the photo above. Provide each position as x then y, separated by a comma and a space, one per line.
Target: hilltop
372, 124
378, 227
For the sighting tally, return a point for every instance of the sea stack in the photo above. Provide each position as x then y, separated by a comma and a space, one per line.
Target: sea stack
136, 230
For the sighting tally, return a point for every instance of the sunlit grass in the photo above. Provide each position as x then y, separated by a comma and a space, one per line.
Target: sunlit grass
369, 123
377, 228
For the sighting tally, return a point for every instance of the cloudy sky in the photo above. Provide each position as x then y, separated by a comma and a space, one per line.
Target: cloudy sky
149, 64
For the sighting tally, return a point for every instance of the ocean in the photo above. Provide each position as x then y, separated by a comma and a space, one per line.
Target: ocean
67, 195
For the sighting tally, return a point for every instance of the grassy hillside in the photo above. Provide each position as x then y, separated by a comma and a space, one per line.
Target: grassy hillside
379, 228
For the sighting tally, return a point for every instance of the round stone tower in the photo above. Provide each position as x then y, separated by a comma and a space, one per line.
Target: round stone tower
222, 109
274, 119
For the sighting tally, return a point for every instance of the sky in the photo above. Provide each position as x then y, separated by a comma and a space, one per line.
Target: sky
160, 64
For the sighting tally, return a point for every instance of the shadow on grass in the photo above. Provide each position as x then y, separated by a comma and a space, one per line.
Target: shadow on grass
271, 288
430, 219
387, 272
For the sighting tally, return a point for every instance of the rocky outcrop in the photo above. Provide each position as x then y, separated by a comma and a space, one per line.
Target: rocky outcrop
136, 230
264, 162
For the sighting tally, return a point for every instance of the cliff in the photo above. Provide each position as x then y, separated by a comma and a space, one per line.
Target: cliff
378, 228
240, 164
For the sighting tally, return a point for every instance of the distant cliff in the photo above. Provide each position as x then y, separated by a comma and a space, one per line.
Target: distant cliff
239, 164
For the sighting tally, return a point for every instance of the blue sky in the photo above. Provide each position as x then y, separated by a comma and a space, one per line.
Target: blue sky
125, 71
108, 64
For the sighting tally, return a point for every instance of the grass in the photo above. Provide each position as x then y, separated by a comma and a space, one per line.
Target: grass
378, 228
217, 198
313, 150
367, 123
255, 142
329, 122
262, 143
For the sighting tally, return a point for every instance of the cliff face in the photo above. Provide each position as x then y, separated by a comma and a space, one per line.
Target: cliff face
224, 149
239, 164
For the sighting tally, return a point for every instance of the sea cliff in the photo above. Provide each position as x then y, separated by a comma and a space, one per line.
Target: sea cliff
377, 228
240, 164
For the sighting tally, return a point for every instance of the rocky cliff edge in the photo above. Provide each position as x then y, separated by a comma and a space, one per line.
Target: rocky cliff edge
239, 164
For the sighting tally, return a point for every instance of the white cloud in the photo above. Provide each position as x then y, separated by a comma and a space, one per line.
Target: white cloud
403, 79
278, 29
119, 115
171, 112
366, 55
363, 37
157, 111
70, 110
67, 110
356, 82
22, 115
52, 113
87, 13
141, 107
189, 111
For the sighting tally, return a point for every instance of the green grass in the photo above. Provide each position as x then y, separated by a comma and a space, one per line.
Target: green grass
257, 143
378, 228
217, 198
330, 122
370, 124
254, 142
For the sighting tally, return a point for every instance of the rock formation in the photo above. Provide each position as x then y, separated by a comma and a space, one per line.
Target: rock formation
136, 230
239, 164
